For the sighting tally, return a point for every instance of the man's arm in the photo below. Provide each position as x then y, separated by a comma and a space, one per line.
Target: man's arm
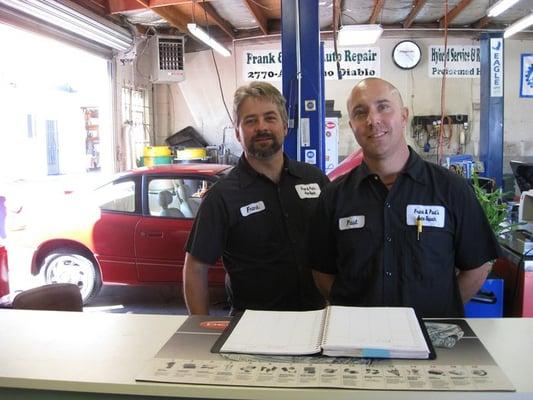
323, 282
471, 280
195, 285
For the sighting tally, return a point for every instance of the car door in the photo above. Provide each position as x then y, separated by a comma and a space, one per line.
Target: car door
169, 206
113, 233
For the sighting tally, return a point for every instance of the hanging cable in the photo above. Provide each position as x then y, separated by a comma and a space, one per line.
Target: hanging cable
443, 87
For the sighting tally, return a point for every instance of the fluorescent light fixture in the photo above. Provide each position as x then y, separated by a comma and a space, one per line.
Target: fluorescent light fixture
89, 26
359, 34
208, 40
500, 6
518, 26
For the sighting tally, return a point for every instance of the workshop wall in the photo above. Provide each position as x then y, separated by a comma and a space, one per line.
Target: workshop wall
197, 101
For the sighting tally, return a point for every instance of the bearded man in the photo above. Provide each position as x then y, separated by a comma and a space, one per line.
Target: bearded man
256, 218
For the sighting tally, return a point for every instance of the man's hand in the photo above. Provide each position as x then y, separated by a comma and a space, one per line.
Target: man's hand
323, 282
195, 285
470, 281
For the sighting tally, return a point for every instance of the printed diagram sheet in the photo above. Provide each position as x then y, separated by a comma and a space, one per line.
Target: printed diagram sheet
462, 364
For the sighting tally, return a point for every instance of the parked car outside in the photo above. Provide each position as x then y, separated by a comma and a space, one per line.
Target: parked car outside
4, 272
130, 231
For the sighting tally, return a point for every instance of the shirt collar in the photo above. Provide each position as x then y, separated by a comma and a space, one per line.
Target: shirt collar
247, 175
414, 168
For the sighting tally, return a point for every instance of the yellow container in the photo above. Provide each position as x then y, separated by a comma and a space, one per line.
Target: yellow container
157, 151
191, 153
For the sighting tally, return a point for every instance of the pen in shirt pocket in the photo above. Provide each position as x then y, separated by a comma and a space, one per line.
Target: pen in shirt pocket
419, 226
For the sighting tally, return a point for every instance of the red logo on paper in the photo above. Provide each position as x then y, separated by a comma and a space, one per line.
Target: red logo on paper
330, 125
214, 325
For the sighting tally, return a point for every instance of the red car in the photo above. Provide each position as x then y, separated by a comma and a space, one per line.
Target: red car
130, 231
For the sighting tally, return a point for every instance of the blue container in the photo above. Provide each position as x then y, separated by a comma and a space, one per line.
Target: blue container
488, 303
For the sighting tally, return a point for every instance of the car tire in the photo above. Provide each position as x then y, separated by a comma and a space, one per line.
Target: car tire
69, 266
449, 342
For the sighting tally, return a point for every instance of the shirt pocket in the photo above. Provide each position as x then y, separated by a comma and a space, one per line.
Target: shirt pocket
428, 257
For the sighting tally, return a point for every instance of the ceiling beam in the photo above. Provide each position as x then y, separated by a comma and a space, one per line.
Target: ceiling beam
258, 15
415, 9
453, 13
118, 6
378, 6
222, 24
174, 18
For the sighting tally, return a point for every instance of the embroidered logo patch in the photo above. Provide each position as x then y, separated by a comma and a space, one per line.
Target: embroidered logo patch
308, 191
430, 215
252, 208
353, 222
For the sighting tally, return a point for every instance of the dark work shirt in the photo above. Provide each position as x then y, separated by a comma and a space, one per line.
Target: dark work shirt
259, 228
366, 235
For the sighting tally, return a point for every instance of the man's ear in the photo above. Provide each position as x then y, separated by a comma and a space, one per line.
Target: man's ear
237, 134
405, 115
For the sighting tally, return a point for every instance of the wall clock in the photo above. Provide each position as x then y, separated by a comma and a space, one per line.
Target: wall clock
406, 54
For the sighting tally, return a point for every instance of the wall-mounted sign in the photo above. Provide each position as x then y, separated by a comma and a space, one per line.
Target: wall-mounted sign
526, 75
496, 67
461, 61
355, 63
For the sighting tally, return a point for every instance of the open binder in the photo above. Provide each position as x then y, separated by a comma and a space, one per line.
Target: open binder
370, 332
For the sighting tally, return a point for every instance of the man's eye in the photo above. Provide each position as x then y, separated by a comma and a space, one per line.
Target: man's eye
383, 107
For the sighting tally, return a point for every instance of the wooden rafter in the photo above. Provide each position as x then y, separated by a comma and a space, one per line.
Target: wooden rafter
378, 6
119, 6
453, 13
174, 18
222, 24
415, 9
258, 15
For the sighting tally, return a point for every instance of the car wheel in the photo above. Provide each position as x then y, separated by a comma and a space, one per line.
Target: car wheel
67, 266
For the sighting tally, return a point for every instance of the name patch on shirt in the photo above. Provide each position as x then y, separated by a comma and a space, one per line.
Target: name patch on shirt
308, 191
430, 215
252, 208
353, 222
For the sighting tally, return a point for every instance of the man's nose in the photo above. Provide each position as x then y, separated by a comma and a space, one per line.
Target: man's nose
261, 124
373, 118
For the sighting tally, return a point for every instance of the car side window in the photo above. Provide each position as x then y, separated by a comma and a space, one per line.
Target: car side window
176, 197
117, 196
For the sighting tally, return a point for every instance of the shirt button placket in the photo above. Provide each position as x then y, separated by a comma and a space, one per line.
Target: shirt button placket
388, 261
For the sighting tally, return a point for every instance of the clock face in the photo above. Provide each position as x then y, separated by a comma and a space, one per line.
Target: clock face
406, 54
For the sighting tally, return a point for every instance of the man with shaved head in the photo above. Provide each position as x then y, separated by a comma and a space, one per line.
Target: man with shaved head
397, 230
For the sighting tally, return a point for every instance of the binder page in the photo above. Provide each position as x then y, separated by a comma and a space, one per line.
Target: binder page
276, 332
390, 329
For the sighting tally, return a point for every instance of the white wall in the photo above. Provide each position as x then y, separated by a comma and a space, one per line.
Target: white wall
197, 100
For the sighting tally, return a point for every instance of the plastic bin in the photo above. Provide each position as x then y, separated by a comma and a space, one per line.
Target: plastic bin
156, 155
488, 303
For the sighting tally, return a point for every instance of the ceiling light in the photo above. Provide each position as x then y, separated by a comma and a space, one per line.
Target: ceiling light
359, 34
208, 40
518, 26
88, 26
500, 6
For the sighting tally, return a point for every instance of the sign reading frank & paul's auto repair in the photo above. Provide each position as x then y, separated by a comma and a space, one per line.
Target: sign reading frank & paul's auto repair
355, 63
461, 61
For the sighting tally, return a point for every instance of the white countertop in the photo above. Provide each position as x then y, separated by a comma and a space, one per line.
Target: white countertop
102, 353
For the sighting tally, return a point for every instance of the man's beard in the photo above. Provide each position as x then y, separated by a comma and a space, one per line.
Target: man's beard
260, 151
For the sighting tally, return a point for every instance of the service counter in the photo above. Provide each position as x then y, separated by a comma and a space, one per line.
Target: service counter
64, 355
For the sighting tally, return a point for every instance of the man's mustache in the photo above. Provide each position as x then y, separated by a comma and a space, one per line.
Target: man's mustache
264, 135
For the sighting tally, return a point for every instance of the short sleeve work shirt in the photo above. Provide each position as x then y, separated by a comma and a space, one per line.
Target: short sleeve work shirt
259, 229
367, 237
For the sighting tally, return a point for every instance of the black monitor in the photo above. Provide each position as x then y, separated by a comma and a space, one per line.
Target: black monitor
523, 174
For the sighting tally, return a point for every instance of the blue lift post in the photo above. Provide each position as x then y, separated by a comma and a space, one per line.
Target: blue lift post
302, 85
492, 100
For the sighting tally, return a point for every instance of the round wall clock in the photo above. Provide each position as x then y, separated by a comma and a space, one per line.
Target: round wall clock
406, 54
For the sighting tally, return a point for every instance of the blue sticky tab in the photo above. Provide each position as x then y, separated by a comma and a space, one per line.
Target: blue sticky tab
375, 353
